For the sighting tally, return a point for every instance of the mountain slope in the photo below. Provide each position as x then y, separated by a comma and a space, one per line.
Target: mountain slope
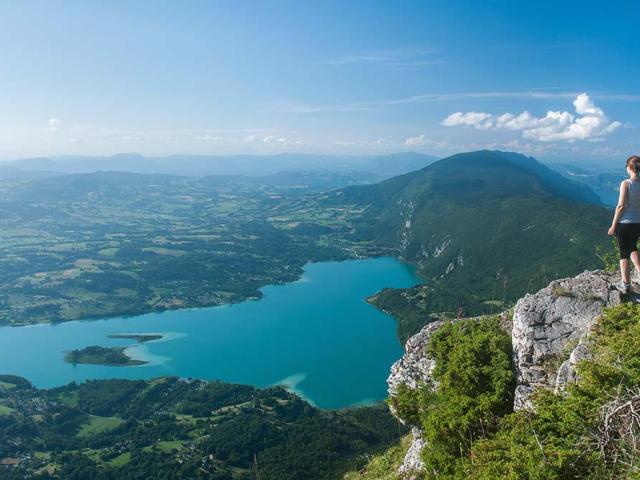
493, 225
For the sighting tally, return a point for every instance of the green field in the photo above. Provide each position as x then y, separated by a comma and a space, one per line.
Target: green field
120, 460
166, 446
109, 244
98, 425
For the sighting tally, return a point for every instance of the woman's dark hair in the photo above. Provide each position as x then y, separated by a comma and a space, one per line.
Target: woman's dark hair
634, 162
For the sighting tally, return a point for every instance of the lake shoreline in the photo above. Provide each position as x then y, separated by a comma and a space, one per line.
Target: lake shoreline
316, 328
234, 301
173, 308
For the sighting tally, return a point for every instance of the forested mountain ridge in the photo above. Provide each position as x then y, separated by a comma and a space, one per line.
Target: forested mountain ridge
471, 174
483, 228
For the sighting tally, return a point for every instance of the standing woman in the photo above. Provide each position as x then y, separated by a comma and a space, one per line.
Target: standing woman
626, 222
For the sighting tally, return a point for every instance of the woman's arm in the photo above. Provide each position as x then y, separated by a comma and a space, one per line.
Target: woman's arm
622, 203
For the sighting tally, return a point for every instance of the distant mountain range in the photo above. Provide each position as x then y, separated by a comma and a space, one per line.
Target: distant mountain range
367, 168
322, 171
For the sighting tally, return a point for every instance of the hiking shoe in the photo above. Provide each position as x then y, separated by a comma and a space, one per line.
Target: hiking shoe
622, 287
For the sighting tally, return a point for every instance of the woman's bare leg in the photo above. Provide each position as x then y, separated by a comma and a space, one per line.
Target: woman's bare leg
635, 258
624, 269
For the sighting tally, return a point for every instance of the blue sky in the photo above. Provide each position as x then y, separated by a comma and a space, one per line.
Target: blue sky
220, 77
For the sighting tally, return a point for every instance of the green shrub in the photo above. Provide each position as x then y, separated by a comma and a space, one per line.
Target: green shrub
475, 387
545, 445
405, 403
560, 439
383, 466
608, 257
475, 382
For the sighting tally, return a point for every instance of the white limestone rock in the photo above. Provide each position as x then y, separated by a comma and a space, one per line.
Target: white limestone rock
414, 368
567, 372
548, 322
412, 465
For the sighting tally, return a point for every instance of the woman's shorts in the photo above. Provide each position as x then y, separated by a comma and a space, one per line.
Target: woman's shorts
627, 235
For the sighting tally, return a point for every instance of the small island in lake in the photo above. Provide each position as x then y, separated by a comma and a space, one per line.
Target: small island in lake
138, 337
95, 354
110, 356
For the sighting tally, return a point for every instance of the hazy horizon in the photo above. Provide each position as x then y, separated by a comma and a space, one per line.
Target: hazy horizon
595, 162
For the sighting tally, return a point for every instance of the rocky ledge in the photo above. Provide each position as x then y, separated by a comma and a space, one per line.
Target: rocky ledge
547, 329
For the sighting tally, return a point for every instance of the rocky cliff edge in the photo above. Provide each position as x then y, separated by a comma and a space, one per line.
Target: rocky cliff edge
548, 330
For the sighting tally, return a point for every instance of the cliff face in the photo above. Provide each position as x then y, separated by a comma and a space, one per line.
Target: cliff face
547, 329
551, 325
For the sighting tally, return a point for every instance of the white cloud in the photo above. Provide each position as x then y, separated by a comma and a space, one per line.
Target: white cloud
588, 123
213, 138
274, 140
421, 142
479, 120
60, 137
54, 124
415, 141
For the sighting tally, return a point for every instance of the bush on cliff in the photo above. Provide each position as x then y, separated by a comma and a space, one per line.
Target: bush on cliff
475, 382
592, 431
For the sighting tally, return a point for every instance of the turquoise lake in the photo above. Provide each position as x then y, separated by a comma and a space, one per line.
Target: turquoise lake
317, 336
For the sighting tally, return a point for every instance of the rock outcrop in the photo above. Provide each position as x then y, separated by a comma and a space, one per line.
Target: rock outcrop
549, 327
548, 334
413, 368
412, 463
